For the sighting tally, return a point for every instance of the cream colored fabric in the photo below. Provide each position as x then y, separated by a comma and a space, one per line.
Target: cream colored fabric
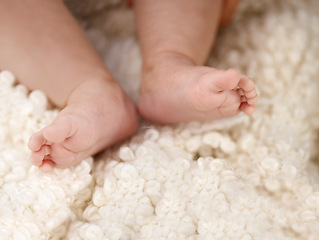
242, 178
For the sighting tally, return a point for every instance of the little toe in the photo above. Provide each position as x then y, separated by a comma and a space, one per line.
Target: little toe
47, 166
247, 108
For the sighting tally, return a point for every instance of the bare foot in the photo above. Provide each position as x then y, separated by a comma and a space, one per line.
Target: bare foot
175, 90
98, 114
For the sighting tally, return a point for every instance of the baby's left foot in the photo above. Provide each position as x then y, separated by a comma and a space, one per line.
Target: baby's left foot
98, 115
174, 90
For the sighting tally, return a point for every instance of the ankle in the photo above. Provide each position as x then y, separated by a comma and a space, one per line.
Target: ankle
92, 88
166, 58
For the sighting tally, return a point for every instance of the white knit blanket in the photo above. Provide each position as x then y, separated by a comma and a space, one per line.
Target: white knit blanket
241, 178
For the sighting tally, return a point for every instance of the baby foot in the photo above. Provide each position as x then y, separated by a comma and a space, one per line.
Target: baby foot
173, 91
98, 114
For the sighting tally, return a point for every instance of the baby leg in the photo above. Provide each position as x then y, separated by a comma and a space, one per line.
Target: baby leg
46, 49
176, 37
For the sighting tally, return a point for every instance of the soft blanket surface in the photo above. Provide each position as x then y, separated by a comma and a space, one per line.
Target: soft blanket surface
240, 178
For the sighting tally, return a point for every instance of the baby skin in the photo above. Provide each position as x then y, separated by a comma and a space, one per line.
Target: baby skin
192, 92
54, 55
85, 126
175, 39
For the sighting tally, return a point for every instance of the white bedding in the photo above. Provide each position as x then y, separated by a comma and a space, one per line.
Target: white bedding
240, 178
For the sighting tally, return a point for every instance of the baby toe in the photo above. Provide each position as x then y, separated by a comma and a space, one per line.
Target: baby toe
252, 101
220, 80
61, 129
250, 94
246, 83
247, 108
47, 166
36, 141
37, 158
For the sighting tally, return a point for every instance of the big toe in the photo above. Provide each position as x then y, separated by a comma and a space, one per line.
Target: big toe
221, 80
36, 141
61, 129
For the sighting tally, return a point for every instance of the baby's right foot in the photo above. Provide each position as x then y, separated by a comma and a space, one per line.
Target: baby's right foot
175, 90
98, 114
